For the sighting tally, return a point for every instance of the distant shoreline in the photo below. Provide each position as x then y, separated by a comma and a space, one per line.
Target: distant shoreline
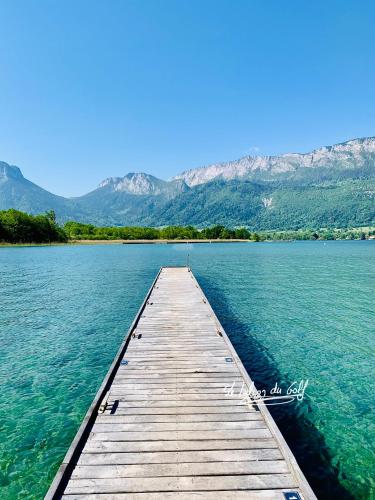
120, 242
149, 242
22, 229
158, 242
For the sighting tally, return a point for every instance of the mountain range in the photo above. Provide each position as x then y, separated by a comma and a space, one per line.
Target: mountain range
333, 186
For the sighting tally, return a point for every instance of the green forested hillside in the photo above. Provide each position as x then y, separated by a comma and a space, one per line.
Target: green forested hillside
262, 206
345, 204
257, 205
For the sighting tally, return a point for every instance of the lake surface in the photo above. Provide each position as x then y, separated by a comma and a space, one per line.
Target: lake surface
294, 311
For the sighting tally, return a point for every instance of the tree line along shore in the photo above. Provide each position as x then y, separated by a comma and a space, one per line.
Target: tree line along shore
18, 227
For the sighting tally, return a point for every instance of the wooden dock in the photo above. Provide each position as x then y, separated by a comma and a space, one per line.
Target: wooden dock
162, 427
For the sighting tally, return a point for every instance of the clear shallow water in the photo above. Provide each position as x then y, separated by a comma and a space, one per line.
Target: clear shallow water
292, 310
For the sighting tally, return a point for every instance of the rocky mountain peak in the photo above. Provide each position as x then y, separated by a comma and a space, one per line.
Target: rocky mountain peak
134, 183
9, 172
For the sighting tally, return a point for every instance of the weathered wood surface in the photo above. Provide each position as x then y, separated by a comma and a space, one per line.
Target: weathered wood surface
169, 430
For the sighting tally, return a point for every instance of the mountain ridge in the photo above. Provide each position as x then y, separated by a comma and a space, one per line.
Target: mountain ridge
332, 185
278, 164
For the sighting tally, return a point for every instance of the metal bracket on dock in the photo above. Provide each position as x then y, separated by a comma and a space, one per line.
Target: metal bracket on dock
104, 404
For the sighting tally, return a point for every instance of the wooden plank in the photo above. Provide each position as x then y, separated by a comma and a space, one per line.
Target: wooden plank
110, 426
180, 383
180, 435
176, 398
180, 366
220, 403
181, 483
124, 409
270, 494
173, 457
189, 376
143, 345
181, 358
93, 446
180, 469
184, 418
154, 364
176, 389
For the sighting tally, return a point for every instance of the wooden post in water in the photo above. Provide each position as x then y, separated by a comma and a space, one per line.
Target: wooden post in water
162, 426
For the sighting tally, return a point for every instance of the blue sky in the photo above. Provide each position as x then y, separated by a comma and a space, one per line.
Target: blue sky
94, 89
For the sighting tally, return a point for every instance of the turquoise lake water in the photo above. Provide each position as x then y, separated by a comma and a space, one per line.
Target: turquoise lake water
303, 310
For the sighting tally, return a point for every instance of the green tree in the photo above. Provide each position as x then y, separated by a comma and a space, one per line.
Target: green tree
20, 227
242, 234
51, 215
